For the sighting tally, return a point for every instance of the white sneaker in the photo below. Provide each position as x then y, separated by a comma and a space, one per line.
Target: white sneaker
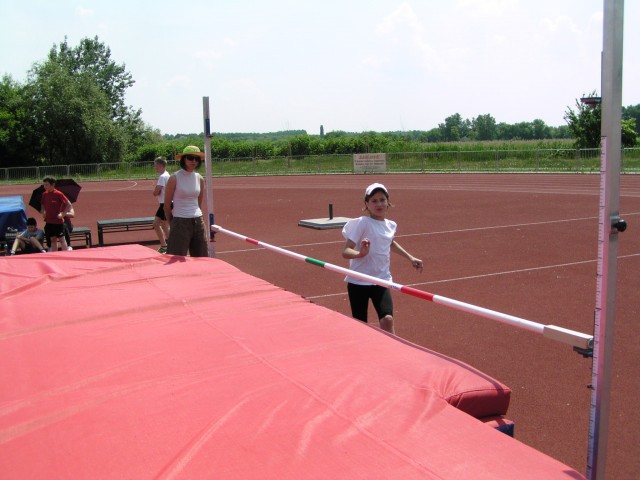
69, 248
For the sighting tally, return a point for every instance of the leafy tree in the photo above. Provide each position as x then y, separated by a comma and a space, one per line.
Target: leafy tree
484, 127
585, 124
632, 111
562, 132
18, 144
316, 146
336, 134
455, 128
524, 131
432, 136
299, 145
629, 132
72, 117
540, 130
505, 131
93, 57
221, 148
77, 106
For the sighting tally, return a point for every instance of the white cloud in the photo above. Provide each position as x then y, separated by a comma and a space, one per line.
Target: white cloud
207, 58
84, 12
207, 55
403, 16
486, 7
245, 84
405, 30
374, 61
181, 81
560, 24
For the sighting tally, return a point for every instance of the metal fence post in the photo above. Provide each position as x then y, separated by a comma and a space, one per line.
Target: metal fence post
577, 160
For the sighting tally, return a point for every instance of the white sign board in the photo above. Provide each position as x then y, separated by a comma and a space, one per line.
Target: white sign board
369, 163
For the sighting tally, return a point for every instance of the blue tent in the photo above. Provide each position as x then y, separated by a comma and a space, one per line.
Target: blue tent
12, 214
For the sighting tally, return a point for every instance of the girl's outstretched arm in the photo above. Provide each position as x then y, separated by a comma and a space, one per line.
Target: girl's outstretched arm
415, 262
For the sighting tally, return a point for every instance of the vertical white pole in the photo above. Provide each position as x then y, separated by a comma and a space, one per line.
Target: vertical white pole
208, 181
608, 237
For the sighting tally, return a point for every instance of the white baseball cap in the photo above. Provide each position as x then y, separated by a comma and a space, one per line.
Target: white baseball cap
375, 186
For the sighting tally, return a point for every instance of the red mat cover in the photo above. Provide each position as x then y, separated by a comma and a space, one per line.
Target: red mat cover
123, 363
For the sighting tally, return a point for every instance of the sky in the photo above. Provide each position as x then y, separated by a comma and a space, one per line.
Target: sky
352, 65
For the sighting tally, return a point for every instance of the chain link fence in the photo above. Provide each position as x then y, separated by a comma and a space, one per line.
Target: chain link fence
485, 161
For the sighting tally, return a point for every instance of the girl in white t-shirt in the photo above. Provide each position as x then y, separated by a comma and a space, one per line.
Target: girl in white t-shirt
368, 246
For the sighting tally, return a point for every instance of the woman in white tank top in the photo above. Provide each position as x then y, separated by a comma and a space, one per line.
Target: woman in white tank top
185, 189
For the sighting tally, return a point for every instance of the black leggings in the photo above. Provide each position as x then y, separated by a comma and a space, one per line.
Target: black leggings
359, 296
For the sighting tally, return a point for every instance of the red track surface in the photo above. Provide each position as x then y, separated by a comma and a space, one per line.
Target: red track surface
525, 245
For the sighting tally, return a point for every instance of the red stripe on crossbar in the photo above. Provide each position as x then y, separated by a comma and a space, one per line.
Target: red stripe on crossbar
417, 293
251, 240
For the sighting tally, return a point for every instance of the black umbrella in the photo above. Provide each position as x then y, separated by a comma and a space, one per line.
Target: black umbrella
67, 186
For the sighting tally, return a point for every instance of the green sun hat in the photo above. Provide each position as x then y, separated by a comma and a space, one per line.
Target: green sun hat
190, 150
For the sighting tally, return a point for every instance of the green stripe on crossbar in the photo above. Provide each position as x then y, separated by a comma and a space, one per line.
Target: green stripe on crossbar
313, 261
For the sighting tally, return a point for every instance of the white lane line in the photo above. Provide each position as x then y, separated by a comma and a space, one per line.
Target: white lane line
134, 184
442, 232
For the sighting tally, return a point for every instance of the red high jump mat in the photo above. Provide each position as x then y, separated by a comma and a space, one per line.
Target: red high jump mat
123, 363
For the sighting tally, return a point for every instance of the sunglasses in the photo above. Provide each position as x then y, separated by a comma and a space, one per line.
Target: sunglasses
191, 157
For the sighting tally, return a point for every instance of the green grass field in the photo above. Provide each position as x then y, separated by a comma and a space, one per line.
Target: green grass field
549, 160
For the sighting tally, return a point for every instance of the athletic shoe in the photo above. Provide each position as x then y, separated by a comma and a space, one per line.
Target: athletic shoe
162, 249
11, 253
43, 251
69, 248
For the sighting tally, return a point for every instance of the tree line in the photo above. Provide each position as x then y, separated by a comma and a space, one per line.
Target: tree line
71, 110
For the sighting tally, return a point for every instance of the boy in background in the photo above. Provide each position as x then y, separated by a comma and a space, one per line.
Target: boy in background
54, 207
160, 224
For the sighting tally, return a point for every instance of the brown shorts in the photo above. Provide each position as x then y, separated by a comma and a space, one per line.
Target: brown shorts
188, 235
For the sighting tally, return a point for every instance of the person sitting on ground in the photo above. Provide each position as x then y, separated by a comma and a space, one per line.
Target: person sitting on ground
29, 241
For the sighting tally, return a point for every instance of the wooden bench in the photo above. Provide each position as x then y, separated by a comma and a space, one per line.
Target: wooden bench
82, 233
123, 225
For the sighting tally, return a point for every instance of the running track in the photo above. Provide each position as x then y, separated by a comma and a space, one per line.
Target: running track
525, 245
